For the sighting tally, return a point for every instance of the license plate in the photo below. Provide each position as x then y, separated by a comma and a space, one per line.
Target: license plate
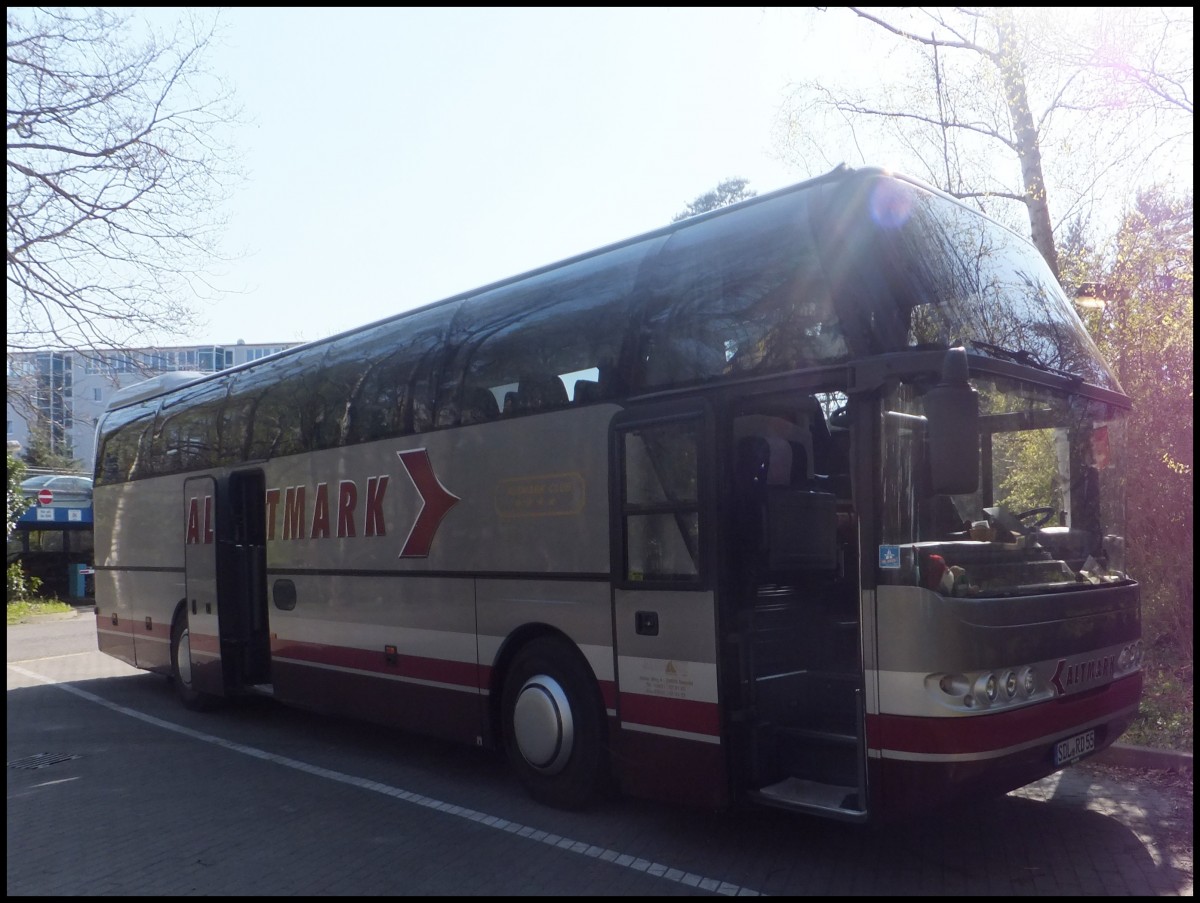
1074, 748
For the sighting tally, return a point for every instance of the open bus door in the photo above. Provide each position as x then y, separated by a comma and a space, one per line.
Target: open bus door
791, 608
195, 635
242, 584
221, 642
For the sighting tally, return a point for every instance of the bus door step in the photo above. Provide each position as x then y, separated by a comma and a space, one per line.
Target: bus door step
835, 738
819, 754
262, 689
800, 795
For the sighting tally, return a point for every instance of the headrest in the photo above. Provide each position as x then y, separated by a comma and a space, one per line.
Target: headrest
541, 390
479, 404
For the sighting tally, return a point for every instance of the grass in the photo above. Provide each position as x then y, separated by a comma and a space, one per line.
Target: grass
26, 609
1165, 716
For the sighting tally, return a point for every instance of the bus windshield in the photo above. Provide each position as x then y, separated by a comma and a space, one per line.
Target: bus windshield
1047, 514
959, 278
844, 271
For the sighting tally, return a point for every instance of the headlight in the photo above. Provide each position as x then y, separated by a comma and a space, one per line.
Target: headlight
1009, 686
1028, 681
985, 687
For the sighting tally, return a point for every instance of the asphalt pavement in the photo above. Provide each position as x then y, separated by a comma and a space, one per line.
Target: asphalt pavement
296, 805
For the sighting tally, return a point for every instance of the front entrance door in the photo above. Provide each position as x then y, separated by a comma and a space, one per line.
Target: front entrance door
669, 741
790, 538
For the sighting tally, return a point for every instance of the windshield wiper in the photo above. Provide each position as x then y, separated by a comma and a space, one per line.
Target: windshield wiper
1021, 356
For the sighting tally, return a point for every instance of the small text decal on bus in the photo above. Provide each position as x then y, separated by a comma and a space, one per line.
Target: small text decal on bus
1073, 675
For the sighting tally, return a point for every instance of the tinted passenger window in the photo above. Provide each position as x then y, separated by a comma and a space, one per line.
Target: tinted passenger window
661, 512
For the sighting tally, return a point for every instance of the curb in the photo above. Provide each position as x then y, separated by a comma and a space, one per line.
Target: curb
1125, 755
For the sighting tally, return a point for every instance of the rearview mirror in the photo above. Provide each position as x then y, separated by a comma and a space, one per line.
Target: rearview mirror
952, 414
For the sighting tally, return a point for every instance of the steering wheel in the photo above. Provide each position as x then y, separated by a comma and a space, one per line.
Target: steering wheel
1043, 515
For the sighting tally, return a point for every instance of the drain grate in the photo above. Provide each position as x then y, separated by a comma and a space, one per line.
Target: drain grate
41, 760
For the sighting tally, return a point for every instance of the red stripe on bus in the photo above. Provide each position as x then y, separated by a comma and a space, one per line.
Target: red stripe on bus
1000, 730
608, 690
672, 714
465, 674
204, 642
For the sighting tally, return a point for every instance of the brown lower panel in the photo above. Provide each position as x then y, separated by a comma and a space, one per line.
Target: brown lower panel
902, 789
434, 711
115, 640
152, 645
670, 769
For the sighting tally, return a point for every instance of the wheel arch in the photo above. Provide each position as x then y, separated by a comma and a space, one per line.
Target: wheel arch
180, 611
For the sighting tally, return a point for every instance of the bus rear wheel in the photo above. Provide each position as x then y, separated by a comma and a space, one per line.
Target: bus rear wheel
181, 668
554, 732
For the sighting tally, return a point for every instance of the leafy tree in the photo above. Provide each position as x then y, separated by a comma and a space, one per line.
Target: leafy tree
729, 191
16, 503
41, 451
1145, 331
1028, 478
18, 585
116, 170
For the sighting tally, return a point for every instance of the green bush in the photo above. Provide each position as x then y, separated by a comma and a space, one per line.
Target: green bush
1164, 719
21, 586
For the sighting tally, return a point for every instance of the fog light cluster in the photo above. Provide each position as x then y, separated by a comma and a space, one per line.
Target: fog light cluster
987, 689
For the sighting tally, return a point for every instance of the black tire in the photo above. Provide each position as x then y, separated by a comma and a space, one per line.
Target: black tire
554, 728
181, 674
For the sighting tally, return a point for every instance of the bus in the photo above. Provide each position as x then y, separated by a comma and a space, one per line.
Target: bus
813, 501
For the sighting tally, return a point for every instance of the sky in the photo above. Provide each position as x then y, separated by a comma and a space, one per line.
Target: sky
395, 157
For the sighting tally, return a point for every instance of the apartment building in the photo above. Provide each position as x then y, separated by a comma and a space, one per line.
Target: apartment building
63, 393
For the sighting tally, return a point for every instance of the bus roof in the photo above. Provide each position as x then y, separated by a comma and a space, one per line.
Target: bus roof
155, 385
150, 388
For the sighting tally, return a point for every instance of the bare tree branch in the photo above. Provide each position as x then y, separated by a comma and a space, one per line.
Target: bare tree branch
921, 39
853, 109
117, 170
993, 96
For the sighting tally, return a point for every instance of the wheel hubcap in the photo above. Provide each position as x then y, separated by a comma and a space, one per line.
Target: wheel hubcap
183, 657
542, 724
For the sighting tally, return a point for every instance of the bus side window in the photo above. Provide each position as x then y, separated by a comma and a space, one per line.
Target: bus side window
661, 502
479, 405
821, 440
447, 414
540, 392
586, 391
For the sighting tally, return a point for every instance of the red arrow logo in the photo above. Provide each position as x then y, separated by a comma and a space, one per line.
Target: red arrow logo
436, 500
1056, 680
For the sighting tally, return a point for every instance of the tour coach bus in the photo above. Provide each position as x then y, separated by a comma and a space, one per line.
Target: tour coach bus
813, 500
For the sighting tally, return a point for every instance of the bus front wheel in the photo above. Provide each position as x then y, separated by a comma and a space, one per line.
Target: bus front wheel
181, 668
554, 733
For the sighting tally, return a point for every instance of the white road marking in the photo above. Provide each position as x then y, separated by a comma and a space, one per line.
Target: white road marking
617, 858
